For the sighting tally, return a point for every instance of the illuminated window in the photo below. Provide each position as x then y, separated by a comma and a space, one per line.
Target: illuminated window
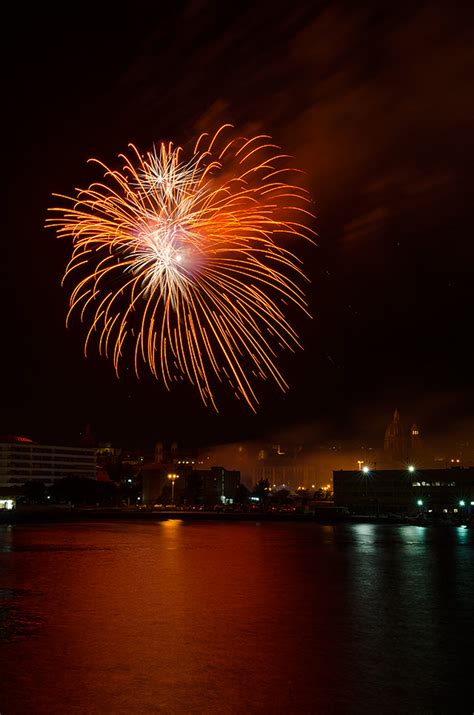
6, 504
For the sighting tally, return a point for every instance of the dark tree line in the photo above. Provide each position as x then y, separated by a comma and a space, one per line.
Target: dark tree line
71, 490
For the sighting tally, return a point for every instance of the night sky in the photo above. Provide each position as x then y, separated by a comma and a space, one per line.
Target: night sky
374, 100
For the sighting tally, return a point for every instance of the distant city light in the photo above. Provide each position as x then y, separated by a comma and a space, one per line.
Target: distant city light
365, 469
172, 477
411, 468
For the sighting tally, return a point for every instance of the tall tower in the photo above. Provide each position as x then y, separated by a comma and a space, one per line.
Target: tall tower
159, 452
394, 442
416, 445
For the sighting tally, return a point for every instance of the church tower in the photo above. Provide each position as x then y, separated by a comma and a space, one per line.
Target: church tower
159, 452
416, 446
394, 442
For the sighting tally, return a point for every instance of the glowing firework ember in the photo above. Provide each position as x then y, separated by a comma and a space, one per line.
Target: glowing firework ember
181, 264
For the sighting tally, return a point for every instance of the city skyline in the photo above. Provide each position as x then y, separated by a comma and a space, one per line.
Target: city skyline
296, 459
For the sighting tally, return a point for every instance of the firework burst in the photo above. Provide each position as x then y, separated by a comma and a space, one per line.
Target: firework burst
179, 262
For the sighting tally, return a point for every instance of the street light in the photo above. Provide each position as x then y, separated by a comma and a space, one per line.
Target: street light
420, 502
462, 502
411, 468
172, 478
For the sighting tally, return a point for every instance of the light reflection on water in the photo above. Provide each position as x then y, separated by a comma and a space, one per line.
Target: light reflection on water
176, 617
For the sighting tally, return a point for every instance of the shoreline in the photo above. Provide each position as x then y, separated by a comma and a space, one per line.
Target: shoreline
65, 516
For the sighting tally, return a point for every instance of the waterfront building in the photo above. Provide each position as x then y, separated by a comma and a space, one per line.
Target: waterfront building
22, 460
287, 466
402, 446
155, 472
216, 485
156, 483
177, 456
410, 490
192, 486
108, 455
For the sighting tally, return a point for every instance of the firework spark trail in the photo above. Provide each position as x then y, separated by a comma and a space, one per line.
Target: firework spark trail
182, 260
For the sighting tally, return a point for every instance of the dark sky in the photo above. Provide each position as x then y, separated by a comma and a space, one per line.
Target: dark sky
375, 102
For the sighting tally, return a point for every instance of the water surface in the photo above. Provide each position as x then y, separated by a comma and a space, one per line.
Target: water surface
176, 617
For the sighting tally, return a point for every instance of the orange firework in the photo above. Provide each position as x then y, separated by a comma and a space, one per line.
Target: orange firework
181, 264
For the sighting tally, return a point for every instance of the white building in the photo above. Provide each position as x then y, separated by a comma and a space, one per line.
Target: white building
22, 460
